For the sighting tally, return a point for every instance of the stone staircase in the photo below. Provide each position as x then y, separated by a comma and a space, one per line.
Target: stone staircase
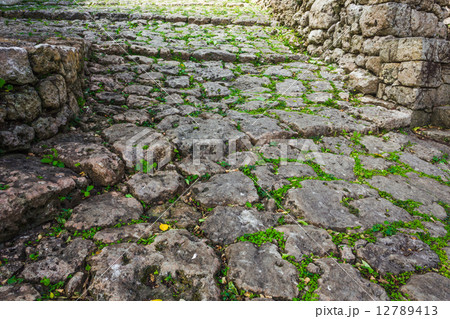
202, 142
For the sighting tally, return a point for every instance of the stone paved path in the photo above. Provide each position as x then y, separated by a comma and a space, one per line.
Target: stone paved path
213, 160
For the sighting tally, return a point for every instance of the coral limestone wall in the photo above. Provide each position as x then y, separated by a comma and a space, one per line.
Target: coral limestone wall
40, 86
398, 50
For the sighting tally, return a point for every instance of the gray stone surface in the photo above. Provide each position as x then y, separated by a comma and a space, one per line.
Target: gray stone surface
157, 187
209, 88
305, 240
133, 144
25, 292
343, 282
84, 153
179, 214
31, 194
228, 223
397, 254
104, 210
136, 272
232, 188
59, 261
319, 203
261, 270
427, 287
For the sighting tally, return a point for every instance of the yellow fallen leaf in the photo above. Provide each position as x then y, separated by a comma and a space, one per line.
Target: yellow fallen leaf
157, 300
164, 227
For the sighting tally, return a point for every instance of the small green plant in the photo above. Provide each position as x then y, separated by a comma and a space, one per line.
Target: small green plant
190, 179
356, 138
3, 85
3, 187
45, 281
34, 256
13, 280
52, 159
87, 192
440, 160
145, 167
266, 236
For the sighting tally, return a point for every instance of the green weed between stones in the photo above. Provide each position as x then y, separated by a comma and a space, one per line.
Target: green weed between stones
308, 281
266, 236
51, 291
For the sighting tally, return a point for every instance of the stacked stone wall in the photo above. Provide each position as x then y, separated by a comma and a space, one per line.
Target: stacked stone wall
41, 89
397, 50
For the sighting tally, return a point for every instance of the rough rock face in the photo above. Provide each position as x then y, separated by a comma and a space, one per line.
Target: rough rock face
17, 68
338, 205
135, 144
261, 270
228, 223
304, 240
180, 214
84, 153
32, 193
104, 210
163, 185
343, 282
397, 254
427, 287
215, 127
59, 260
135, 272
224, 189
44, 83
24, 292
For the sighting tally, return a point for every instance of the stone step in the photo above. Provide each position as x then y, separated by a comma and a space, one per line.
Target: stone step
93, 15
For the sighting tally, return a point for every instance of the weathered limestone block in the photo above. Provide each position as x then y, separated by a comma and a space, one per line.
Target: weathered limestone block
373, 64
372, 46
324, 13
23, 104
45, 59
443, 95
53, 92
9, 2
441, 116
316, 37
386, 19
423, 24
389, 72
363, 82
15, 66
420, 74
416, 49
412, 98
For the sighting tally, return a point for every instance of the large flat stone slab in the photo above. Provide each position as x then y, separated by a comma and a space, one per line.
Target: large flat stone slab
83, 152
233, 188
176, 266
31, 194
104, 211
342, 282
305, 240
319, 203
135, 144
427, 287
228, 223
261, 270
397, 254
157, 187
